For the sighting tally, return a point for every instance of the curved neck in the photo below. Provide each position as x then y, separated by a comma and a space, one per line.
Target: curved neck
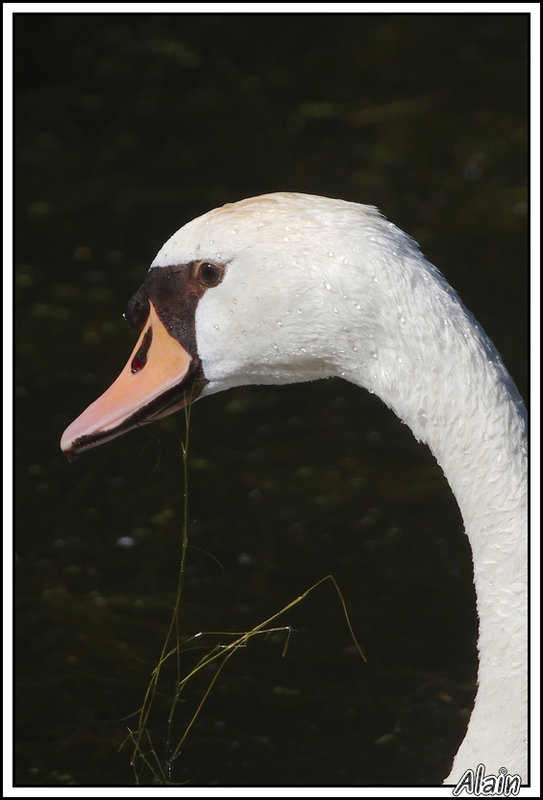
437, 370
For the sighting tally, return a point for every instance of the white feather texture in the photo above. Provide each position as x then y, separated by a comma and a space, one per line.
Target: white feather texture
316, 287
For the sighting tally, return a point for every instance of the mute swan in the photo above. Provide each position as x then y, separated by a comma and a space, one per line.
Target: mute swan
288, 287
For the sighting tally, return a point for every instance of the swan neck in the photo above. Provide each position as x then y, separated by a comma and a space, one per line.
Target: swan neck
432, 364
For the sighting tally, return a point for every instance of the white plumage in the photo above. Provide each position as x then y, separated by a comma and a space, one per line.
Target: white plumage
317, 287
313, 288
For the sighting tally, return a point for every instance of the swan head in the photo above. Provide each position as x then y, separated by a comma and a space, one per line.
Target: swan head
249, 293
284, 288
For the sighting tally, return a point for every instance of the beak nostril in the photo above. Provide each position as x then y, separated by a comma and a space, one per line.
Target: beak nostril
140, 359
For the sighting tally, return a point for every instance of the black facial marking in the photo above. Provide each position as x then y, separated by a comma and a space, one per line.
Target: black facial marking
137, 310
175, 292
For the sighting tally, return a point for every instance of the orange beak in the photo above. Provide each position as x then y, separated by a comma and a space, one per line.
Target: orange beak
147, 389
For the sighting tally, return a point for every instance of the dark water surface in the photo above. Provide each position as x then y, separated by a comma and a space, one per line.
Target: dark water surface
126, 127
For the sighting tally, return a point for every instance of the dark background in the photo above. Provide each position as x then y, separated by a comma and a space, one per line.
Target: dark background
127, 126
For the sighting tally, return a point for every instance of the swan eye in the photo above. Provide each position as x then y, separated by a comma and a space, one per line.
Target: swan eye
209, 274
